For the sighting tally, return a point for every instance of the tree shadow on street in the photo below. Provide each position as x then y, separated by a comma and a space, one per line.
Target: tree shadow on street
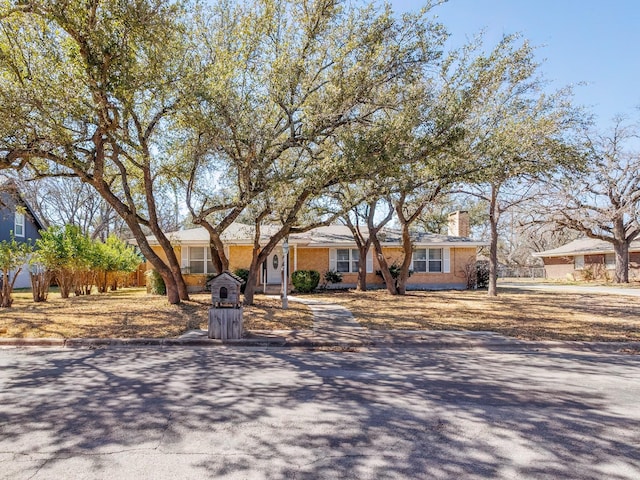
374, 414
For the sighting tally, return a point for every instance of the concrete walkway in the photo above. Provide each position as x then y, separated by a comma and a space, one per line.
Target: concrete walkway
333, 322
333, 325
604, 290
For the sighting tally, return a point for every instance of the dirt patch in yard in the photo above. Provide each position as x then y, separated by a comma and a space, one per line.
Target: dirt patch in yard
132, 313
525, 315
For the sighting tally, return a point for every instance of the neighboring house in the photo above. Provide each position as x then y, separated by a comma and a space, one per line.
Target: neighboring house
17, 220
587, 258
438, 262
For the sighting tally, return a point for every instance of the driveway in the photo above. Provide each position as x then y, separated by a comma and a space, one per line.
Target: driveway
605, 290
192, 413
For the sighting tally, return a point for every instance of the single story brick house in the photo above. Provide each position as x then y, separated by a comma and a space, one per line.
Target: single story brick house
438, 260
587, 258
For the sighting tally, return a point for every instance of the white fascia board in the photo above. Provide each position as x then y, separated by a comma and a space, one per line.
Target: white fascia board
573, 254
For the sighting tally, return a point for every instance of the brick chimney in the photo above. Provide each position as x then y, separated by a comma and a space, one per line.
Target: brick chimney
459, 224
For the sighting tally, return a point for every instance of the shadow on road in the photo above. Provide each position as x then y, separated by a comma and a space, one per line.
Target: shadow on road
281, 414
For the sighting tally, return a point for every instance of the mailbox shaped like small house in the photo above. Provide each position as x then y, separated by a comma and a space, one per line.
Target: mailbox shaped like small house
225, 290
225, 315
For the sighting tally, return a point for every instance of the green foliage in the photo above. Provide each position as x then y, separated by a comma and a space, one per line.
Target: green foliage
155, 283
395, 269
243, 273
115, 255
113, 259
305, 281
78, 262
70, 255
331, 276
12, 256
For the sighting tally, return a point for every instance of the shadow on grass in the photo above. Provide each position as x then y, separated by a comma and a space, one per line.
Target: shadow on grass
532, 315
393, 414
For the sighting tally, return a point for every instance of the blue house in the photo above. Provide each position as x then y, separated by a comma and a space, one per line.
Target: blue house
17, 220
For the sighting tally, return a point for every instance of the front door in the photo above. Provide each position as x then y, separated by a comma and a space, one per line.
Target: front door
274, 267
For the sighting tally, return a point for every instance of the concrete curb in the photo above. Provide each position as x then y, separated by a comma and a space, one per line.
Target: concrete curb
448, 340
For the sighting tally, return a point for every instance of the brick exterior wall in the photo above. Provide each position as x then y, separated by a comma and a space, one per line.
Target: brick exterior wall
558, 267
562, 267
318, 259
459, 224
239, 257
311, 259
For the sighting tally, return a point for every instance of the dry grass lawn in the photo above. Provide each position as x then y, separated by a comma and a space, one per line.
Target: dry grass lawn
525, 315
131, 313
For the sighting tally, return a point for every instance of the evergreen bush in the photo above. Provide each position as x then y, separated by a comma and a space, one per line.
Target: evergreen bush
155, 282
305, 281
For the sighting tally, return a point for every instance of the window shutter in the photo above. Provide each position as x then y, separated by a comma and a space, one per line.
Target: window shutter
446, 260
184, 253
370, 261
333, 259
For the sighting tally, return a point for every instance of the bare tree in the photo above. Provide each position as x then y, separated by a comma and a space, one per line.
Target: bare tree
602, 201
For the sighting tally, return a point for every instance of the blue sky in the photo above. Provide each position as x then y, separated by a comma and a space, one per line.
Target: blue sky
595, 42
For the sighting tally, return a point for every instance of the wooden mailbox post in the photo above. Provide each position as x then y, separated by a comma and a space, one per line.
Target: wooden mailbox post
225, 314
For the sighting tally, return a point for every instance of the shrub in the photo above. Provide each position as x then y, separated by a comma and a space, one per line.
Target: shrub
305, 281
12, 256
482, 274
394, 270
331, 276
243, 273
469, 272
155, 283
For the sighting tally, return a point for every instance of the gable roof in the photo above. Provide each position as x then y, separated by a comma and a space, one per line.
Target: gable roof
327, 236
585, 246
228, 274
8, 186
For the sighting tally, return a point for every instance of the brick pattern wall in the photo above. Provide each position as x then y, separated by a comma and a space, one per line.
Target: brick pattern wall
561, 267
318, 259
240, 257
459, 224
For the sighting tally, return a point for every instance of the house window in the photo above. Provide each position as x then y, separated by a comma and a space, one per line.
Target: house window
427, 260
578, 262
435, 260
200, 260
347, 260
18, 228
420, 260
610, 261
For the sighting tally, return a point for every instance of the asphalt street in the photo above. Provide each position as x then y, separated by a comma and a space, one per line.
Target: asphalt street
193, 413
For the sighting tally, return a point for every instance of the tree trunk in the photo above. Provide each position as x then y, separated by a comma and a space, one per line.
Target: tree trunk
65, 282
131, 219
5, 290
384, 268
621, 250
252, 281
216, 247
407, 249
362, 266
40, 281
494, 216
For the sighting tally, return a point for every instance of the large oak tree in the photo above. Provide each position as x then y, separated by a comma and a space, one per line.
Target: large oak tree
87, 90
